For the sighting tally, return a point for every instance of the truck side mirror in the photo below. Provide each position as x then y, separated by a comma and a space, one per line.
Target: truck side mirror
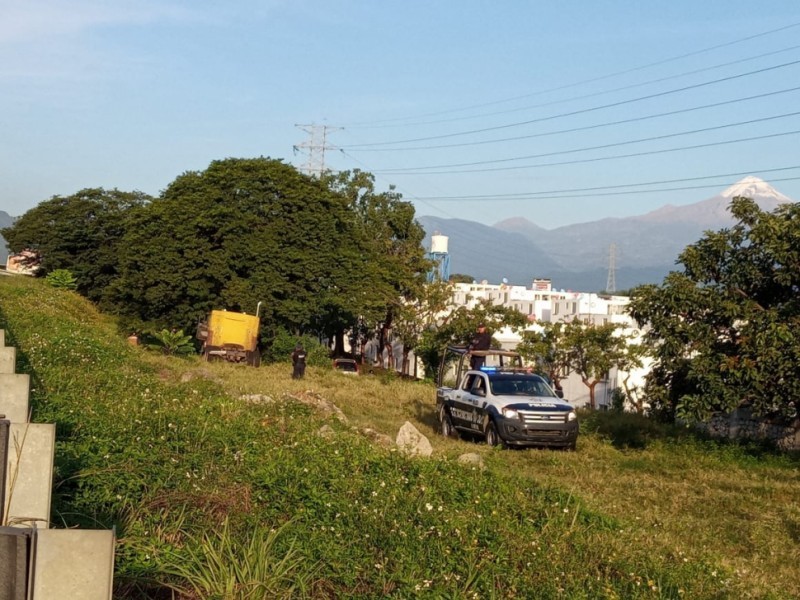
560, 393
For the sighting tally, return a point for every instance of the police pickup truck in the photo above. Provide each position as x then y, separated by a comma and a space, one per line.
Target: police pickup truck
504, 403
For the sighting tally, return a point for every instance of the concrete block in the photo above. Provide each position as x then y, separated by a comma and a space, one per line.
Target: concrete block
2, 337
15, 555
8, 359
73, 563
29, 475
14, 397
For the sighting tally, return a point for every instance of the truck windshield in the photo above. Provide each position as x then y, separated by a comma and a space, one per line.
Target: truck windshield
521, 386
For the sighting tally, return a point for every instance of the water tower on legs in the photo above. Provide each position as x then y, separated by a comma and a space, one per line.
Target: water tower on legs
441, 259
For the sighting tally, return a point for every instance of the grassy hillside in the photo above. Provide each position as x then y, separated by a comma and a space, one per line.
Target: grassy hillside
223, 485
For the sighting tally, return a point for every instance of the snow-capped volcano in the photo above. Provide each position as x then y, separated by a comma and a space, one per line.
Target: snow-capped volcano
713, 212
753, 187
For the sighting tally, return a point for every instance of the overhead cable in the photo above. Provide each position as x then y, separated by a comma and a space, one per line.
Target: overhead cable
600, 158
602, 77
598, 147
585, 127
523, 195
580, 111
582, 96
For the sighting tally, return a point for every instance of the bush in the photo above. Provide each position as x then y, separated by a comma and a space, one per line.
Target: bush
171, 342
62, 279
284, 344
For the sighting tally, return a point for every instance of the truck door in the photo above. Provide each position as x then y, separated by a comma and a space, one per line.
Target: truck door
474, 400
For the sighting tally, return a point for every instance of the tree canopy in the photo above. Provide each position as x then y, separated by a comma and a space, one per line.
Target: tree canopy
241, 232
587, 349
726, 329
79, 233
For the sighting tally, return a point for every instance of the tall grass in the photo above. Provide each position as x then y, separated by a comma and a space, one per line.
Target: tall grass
216, 496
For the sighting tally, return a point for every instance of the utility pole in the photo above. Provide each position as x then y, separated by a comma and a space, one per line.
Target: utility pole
315, 147
611, 282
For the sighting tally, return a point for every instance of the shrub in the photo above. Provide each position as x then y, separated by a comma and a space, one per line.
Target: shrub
284, 343
62, 279
171, 342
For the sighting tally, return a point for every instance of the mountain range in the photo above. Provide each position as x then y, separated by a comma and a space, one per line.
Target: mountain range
578, 256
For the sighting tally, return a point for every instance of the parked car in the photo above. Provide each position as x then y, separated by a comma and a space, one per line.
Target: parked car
348, 366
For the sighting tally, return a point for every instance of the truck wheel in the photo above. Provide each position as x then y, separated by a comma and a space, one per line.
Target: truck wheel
447, 429
492, 437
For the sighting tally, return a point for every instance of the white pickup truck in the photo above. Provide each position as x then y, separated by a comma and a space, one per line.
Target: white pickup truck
504, 403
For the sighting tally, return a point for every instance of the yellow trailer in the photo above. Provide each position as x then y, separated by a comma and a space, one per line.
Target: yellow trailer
230, 336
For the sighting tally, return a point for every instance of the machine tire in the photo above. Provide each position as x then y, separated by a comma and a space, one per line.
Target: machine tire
446, 424
493, 437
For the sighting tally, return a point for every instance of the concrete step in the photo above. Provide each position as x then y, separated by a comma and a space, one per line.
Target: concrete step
14, 397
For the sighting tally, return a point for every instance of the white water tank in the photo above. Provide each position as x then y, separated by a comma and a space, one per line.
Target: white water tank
439, 244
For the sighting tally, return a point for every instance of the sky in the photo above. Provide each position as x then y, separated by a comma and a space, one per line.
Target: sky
553, 110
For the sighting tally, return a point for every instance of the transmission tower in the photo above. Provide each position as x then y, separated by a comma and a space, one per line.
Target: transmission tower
611, 282
315, 147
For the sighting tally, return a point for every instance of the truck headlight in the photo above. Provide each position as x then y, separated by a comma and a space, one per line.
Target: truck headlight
510, 413
571, 416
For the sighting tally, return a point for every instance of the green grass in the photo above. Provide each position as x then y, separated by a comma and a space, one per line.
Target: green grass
219, 497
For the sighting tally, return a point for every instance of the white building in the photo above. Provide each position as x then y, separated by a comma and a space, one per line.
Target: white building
541, 303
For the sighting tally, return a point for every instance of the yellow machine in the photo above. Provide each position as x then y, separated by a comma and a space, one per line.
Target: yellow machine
230, 336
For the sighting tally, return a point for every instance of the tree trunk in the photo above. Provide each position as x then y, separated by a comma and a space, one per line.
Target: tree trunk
591, 386
338, 343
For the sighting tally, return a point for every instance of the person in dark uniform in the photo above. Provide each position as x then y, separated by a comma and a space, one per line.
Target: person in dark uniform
299, 361
482, 340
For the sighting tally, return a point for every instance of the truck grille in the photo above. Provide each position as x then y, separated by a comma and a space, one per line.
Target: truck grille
530, 417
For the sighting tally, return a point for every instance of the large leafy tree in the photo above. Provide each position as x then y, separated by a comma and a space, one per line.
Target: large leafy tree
80, 233
726, 329
386, 232
241, 232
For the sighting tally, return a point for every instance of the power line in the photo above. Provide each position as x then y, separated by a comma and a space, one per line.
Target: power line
525, 195
601, 77
586, 127
553, 196
578, 112
585, 96
603, 158
599, 147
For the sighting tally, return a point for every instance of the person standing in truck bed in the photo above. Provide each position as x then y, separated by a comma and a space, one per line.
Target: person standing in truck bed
482, 340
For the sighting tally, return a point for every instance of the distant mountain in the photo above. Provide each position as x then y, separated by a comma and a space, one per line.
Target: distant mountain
6, 220
577, 256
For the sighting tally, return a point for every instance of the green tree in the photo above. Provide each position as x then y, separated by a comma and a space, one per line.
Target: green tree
418, 315
724, 330
80, 233
593, 351
387, 235
457, 326
240, 232
461, 278
548, 349
587, 349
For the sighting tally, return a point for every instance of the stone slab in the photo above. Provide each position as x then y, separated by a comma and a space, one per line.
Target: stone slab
29, 475
73, 563
2, 337
8, 359
15, 554
14, 397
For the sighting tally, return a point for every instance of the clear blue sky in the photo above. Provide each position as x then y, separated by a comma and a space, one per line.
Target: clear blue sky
130, 94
